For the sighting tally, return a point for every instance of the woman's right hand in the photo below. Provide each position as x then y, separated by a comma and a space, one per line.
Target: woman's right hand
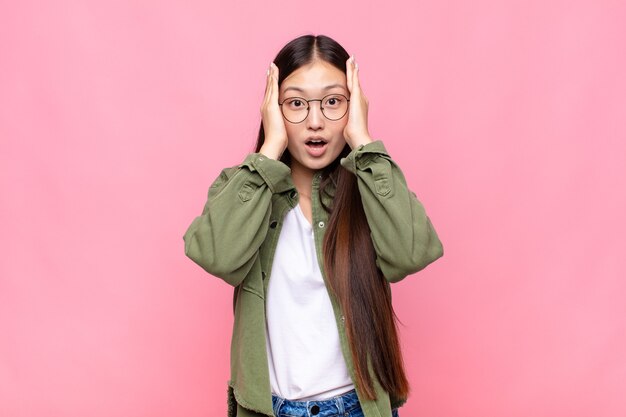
273, 123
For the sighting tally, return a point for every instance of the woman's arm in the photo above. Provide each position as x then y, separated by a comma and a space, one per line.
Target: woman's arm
225, 239
403, 235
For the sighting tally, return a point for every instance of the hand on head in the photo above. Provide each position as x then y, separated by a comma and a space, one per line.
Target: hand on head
356, 132
273, 125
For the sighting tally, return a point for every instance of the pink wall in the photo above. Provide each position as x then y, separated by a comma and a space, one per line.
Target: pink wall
508, 118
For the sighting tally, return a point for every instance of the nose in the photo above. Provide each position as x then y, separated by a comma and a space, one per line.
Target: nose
315, 119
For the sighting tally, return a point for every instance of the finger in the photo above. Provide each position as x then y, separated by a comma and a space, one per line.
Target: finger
269, 75
268, 86
349, 71
270, 72
275, 81
356, 83
355, 77
358, 92
275, 89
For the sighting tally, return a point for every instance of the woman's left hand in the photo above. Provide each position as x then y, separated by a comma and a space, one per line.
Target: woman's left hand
356, 132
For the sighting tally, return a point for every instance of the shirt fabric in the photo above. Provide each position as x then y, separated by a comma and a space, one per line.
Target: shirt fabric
303, 347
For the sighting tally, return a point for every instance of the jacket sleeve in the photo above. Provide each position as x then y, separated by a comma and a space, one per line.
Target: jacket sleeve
404, 238
225, 239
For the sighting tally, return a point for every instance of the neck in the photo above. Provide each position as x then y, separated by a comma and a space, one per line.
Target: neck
303, 179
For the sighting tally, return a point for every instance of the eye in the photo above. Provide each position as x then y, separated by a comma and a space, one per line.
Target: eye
295, 103
333, 101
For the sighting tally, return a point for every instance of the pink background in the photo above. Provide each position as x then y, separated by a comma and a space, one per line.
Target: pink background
507, 117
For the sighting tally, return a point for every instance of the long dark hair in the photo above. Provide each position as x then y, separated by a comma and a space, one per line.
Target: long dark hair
349, 257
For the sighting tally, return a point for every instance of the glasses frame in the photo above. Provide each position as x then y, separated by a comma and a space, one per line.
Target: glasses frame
308, 107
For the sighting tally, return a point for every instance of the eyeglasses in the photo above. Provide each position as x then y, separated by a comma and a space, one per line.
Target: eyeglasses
296, 109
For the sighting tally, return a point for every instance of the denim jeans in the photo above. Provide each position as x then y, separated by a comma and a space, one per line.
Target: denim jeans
344, 405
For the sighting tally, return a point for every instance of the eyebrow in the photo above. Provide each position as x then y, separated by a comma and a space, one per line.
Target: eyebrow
328, 87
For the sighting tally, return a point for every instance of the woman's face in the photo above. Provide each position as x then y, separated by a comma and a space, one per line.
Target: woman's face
314, 81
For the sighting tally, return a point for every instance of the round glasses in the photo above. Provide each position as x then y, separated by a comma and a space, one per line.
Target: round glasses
296, 109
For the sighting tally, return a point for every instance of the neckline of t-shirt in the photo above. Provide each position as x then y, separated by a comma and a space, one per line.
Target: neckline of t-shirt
309, 226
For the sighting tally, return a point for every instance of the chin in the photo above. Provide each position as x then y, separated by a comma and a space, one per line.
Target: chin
322, 165
317, 164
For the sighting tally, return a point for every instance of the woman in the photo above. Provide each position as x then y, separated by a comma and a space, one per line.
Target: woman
311, 229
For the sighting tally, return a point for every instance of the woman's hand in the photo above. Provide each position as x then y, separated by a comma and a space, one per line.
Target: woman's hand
356, 132
273, 124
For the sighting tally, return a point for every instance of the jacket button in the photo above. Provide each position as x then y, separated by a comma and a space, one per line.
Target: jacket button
273, 224
320, 225
315, 409
263, 274
343, 319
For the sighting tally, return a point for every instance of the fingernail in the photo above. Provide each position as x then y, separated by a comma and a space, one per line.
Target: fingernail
267, 72
356, 66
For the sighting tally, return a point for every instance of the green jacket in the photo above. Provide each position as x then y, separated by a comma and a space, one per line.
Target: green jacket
236, 236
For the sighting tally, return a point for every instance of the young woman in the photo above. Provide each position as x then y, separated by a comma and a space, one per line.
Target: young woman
311, 229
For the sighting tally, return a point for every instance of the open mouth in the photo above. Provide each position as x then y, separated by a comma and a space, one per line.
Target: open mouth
315, 143
316, 146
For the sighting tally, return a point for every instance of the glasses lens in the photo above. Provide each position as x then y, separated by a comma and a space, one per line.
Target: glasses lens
295, 109
335, 106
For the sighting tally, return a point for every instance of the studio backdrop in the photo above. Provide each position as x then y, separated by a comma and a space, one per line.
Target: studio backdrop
507, 118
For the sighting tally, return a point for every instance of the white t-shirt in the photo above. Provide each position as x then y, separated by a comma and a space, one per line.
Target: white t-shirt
303, 348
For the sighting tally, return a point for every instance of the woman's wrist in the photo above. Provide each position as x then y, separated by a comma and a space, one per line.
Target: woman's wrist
360, 140
270, 151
